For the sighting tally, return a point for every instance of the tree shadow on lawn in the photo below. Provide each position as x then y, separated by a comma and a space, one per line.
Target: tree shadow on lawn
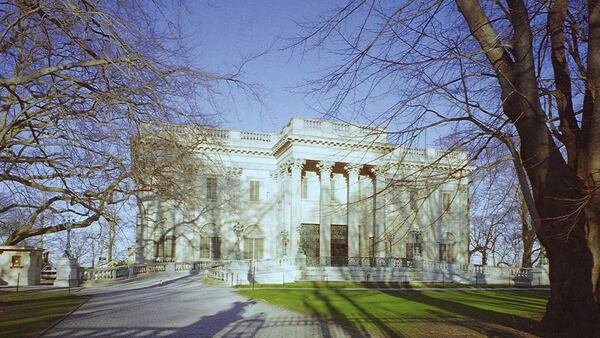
435, 324
482, 320
350, 327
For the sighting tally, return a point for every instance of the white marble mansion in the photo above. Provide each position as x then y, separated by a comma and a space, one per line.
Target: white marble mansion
332, 192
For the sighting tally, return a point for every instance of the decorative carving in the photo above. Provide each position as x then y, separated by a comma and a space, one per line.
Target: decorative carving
234, 172
238, 229
285, 239
353, 168
380, 170
283, 169
296, 164
325, 167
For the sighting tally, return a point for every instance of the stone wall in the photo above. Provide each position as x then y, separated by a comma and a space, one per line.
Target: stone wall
20, 265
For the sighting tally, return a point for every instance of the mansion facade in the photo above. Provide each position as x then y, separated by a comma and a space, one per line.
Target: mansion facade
332, 192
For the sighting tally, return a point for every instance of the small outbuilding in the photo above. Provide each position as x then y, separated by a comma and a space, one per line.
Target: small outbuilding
20, 265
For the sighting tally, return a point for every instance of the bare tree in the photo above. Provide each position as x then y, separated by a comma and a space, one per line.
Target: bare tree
524, 72
77, 80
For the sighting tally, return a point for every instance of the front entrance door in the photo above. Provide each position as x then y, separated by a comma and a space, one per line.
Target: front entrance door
310, 239
339, 245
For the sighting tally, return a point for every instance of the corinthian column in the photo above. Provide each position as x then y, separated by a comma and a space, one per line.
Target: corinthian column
325, 213
352, 209
285, 213
379, 210
296, 203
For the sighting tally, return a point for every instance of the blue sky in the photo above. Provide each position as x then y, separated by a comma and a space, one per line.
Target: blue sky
225, 32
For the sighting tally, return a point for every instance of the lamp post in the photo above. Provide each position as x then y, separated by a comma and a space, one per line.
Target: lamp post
238, 229
68, 227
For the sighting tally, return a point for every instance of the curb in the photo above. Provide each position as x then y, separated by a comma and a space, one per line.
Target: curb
58, 321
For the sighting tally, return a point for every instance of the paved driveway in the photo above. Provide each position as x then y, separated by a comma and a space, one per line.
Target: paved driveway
185, 307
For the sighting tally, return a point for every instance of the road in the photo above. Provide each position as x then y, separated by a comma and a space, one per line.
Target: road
184, 306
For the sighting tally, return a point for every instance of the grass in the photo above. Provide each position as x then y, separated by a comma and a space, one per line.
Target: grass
414, 313
29, 313
377, 285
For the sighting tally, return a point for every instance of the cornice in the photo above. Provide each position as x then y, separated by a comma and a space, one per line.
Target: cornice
286, 140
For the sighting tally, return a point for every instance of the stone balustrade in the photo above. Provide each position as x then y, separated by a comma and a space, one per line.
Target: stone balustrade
320, 268
129, 271
255, 136
388, 269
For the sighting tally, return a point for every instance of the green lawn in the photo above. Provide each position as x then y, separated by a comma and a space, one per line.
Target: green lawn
419, 312
28, 313
411, 285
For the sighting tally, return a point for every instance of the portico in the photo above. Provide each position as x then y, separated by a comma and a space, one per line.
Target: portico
337, 207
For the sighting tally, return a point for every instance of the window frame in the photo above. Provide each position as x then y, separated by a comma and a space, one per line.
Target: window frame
254, 191
414, 248
304, 189
446, 202
212, 184
444, 252
254, 247
210, 247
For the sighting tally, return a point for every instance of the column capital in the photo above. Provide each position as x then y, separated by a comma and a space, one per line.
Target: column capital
282, 170
274, 175
296, 164
325, 166
380, 170
353, 168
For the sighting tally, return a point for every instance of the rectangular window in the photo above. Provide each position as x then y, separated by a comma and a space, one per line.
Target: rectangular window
389, 244
332, 191
414, 199
444, 252
413, 250
210, 247
158, 248
410, 250
304, 188
16, 262
414, 247
254, 191
397, 198
211, 188
446, 201
169, 247
205, 247
216, 247
253, 248
371, 246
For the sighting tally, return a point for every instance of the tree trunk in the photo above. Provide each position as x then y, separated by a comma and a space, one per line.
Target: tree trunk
560, 194
572, 310
111, 239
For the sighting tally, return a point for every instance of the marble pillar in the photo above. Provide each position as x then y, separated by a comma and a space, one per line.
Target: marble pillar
296, 204
325, 168
353, 210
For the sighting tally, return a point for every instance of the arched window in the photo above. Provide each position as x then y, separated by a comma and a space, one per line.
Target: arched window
210, 242
253, 242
